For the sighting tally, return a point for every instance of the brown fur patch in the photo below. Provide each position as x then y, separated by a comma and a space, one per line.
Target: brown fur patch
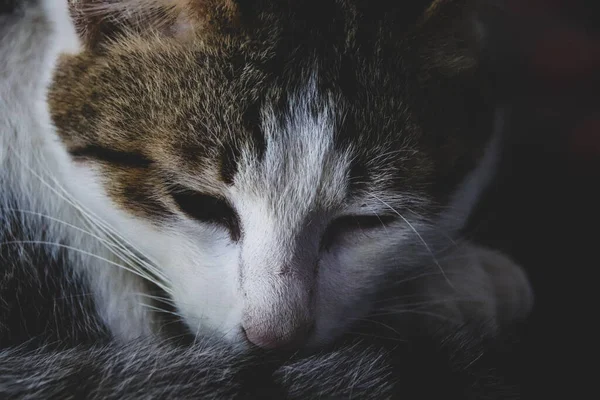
186, 104
101, 21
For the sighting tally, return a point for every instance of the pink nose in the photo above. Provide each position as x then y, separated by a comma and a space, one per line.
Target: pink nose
288, 339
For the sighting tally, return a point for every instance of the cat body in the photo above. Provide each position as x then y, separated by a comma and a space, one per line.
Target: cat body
231, 168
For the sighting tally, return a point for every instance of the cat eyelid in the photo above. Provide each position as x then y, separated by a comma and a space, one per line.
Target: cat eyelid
207, 208
354, 222
111, 156
366, 221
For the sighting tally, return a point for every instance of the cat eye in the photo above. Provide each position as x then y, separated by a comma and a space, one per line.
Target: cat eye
208, 209
350, 223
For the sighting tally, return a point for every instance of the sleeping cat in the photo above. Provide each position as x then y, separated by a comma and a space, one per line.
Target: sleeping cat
270, 175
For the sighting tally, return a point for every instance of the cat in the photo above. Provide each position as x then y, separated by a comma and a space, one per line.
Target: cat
254, 175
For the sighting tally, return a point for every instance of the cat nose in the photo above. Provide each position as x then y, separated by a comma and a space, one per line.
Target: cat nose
290, 338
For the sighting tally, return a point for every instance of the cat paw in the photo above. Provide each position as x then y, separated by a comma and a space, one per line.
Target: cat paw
512, 290
482, 285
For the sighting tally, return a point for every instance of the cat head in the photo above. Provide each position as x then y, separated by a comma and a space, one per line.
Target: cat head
278, 161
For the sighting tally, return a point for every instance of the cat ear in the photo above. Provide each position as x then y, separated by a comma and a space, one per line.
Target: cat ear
445, 38
100, 21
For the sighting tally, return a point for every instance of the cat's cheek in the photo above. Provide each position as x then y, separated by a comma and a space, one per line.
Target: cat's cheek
347, 282
351, 276
204, 275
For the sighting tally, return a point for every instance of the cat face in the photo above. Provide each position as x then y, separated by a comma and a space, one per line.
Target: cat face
279, 168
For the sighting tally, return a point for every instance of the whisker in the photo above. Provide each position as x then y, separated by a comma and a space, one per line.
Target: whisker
421, 305
398, 298
67, 247
94, 221
420, 238
161, 299
380, 220
65, 223
161, 310
442, 232
424, 313
88, 214
419, 276
378, 323
75, 296
377, 336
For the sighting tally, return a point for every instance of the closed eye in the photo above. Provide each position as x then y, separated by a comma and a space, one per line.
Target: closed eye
208, 209
350, 223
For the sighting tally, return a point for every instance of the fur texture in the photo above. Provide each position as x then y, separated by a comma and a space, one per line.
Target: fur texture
246, 188
264, 184
461, 365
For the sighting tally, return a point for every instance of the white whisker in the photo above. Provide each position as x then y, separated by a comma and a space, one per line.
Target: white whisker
103, 227
162, 299
420, 238
420, 305
376, 336
83, 252
378, 323
425, 313
161, 310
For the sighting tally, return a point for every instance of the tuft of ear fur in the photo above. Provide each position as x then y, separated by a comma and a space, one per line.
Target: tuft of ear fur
446, 38
449, 35
99, 21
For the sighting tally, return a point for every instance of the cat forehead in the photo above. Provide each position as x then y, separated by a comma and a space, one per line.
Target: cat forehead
293, 148
217, 111
298, 157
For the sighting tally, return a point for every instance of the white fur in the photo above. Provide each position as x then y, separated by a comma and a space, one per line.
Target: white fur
199, 263
36, 167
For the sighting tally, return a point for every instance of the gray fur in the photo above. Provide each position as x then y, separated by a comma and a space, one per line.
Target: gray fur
206, 371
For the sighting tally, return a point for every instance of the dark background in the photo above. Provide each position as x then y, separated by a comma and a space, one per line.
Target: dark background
544, 208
